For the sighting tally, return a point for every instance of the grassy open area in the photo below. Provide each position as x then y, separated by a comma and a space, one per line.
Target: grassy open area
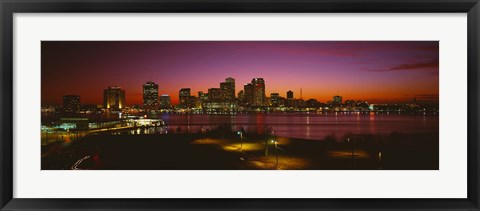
224, 151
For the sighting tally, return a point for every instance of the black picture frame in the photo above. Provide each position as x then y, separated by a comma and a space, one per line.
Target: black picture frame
9, 7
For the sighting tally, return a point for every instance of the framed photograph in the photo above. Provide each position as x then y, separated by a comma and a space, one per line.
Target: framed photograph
260, 124
255, 105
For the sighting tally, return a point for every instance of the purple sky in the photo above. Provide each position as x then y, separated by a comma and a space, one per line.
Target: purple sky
372, 71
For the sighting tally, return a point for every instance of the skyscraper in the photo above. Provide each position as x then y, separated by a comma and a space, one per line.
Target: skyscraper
165, 101
259, 98
337, 100
248, 94
114, 98
274, 98
241, 97
202, 97
215, 94
290, 95
150, 94
71, 103
184, 97
228, 88
290, 100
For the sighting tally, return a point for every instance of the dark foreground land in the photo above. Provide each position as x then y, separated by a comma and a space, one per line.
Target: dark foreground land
226, 152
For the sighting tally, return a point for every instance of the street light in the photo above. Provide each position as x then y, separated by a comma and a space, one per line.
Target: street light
380, 160
241, 139
276, 151
274, 140
351, 145
353, 154
266, 142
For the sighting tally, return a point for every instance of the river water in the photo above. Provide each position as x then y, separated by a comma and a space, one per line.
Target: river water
315, 126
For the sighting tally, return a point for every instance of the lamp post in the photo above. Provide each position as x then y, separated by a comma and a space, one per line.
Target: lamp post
352, 152
276, 151
380, 160
351, 145
266, 143
276, 145
274, 141
241, 139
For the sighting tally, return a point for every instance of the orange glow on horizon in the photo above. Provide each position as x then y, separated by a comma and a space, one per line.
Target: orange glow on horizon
376, 71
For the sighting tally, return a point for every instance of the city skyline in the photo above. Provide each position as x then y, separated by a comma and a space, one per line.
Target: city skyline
240, 105
151, 87
409, 70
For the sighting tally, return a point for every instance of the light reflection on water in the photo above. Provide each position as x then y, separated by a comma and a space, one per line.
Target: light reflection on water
139, 131
301, 125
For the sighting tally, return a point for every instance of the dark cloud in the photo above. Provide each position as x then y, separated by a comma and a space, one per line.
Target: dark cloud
419, 65
427, 97
428, 65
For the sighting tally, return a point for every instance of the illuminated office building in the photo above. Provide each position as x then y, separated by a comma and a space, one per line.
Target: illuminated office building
215, 94
228, 88
184, 97
274, 99
248, 94
71, 103
337, 100
165, 101
259, 98
150, 94
114, 98
289, 95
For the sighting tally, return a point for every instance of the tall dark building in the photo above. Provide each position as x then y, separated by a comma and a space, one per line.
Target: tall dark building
202, 97
259, 98
114, 98
337, 100
290, 95
312, 103
165, 101
150, 94
275, 98
248, 93
71, 103
291, 102
184, 97
241, 96
228, 88
193, 102
215, 94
